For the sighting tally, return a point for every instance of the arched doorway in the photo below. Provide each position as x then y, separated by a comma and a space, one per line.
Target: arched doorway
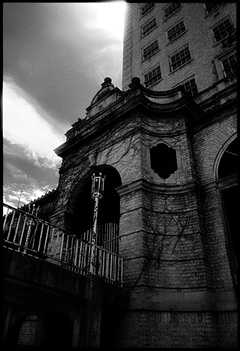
31, 331
79, 212
50, 329
230, 194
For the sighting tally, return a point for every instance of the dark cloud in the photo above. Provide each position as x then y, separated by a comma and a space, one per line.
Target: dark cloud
54, 58
22, 172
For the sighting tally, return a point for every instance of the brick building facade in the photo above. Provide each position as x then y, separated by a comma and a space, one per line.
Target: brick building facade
170, 166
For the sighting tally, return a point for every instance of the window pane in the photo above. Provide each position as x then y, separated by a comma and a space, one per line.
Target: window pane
152, 77
174, 32
148, 27
230, 66
180, 58
171, 9
146, 8
150, 50
223, 30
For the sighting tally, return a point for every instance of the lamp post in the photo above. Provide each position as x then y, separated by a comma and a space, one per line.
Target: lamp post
97, 194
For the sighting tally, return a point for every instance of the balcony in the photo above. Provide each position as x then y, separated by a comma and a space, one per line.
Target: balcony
29, 235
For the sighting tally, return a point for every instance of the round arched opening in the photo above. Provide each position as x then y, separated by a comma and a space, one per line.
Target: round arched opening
230, 194
80, 210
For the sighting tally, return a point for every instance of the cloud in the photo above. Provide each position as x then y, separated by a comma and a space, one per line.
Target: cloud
25, 126
50, 51
21, 173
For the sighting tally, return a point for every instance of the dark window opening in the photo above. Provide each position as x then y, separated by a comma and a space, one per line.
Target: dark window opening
223, 30
190, 87
211, 6
176, 31
171, 9
152, 77
230, 191
163, 160
150, 50
179, 59
145, 9
230, 160
148, 27
230, 66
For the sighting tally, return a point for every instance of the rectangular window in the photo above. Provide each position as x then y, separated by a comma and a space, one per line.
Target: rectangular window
148, 27
145, 9
171, 9
212, 6
179, 59
150, 50
223, 30
230, 66
190, 87
152, 77
176, 31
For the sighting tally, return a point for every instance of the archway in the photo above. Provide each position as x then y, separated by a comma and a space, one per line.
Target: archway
50, 329
79, 212
230, 194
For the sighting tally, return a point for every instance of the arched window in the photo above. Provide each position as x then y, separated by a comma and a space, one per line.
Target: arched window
79, 214
230, 194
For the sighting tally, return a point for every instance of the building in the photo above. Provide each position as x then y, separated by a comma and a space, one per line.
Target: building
168, 44
163, 268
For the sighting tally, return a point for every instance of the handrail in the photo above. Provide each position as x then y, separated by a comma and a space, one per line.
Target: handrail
30, 235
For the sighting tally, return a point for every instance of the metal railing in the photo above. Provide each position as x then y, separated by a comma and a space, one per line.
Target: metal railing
30, 235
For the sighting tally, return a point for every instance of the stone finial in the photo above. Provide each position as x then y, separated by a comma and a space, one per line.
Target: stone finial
107, 82
135, 83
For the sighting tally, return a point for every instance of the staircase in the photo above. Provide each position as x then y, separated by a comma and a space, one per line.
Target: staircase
26, 233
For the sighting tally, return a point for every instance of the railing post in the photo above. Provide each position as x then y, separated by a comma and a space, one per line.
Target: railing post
10, 226
61, 247
46, 240
16, 230
22, 233
40, 238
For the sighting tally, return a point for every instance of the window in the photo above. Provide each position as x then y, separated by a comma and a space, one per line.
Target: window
163, 160
152, 77
228, 181
145, 9
230, 66
211, 6
176, 31
223, 30
190, 87
150, 50
179, 59
148, 27
171, 9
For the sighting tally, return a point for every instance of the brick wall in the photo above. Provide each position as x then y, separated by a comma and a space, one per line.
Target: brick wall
207, 143
178, 329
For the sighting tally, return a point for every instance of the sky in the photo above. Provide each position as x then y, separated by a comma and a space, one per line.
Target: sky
55, 57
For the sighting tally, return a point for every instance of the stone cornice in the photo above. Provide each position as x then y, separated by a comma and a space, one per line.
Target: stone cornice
164, 104
99, 123
145, 185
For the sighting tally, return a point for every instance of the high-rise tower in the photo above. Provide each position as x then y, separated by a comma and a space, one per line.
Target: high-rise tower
168, 44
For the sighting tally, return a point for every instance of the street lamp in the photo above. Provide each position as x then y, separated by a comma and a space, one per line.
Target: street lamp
97, 194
